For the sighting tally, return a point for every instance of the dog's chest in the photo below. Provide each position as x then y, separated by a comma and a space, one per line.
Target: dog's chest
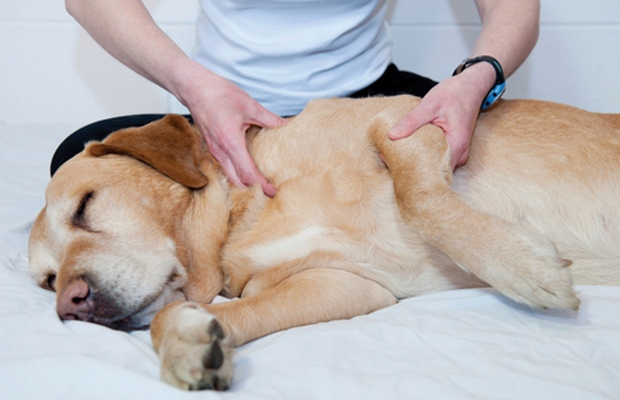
339, 220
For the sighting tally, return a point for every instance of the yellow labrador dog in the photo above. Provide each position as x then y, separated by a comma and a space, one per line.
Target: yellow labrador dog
143, 229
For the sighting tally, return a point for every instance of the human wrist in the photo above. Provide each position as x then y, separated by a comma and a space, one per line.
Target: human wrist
486, 77
185, 79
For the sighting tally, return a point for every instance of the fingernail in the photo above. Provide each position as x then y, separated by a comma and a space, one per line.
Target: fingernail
396, 132
269, 190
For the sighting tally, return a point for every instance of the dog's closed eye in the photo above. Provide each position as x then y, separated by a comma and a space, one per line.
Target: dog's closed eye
50, 282
79, 217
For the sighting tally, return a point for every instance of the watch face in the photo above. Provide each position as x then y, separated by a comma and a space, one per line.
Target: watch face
494, 95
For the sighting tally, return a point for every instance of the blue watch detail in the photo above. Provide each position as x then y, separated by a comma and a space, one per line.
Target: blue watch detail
493, 96
500, 81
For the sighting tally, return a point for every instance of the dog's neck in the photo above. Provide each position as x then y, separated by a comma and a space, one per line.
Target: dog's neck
230, 211
246, 206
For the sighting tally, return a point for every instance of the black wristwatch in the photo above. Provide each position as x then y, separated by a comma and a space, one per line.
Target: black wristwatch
500, 81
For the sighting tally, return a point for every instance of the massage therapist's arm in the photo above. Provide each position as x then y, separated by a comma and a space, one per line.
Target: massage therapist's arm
221, 110
509, 32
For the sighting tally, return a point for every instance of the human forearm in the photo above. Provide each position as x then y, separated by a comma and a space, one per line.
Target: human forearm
509, 31
220, 109
125, 29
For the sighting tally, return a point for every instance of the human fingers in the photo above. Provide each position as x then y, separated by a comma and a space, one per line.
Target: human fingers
248, 171
226, 140
266, 119
237, 163
458, 141
411, 122
223, 117
244, 164
225, 162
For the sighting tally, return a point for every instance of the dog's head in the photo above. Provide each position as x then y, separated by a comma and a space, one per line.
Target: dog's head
131, 224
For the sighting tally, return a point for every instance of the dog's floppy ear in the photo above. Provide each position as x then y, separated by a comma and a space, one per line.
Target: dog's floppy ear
169, 145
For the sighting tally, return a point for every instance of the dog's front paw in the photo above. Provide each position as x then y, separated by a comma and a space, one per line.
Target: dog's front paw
533, 273
194, 351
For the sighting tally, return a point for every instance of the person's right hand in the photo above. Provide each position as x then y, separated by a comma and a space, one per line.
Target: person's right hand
223, 113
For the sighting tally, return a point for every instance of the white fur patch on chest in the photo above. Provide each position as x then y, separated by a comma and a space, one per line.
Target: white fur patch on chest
292, 247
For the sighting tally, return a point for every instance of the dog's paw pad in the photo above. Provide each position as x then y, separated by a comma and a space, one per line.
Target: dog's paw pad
194, 353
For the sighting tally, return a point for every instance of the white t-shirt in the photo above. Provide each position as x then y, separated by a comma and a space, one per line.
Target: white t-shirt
285, 53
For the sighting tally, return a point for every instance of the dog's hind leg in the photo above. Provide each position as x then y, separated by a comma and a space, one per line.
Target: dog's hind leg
195, 341
521, 264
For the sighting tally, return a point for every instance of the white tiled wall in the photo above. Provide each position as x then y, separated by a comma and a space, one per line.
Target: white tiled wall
51, 71
576, 60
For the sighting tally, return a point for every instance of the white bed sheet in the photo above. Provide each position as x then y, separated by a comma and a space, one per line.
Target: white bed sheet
465, 344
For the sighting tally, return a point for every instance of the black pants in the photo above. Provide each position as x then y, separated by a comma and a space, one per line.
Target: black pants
393, 82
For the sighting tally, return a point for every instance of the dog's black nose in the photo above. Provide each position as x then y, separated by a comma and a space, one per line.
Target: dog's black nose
74, 302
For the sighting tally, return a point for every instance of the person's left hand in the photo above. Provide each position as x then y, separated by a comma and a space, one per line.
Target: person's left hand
453, 105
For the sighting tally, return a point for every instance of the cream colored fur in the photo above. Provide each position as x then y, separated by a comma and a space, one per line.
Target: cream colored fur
148, 224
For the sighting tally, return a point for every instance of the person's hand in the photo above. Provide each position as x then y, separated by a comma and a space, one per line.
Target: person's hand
453, 105
223, 113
